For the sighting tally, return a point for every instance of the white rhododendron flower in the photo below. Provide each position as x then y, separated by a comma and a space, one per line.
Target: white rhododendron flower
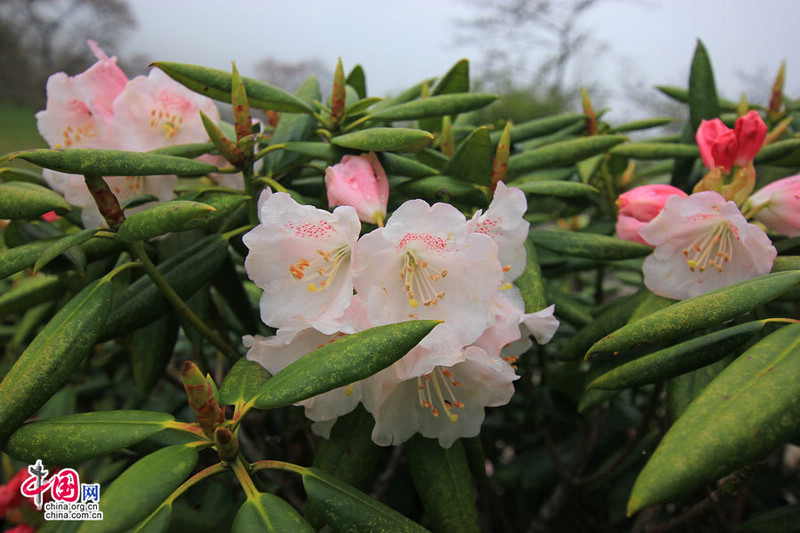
447, 403
703, 243
425, 264
503, 222
301, 257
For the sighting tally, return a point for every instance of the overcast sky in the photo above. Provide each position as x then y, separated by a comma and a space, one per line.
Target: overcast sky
401, 42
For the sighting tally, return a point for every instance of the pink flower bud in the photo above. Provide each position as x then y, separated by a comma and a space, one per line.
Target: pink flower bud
360, 182
721, 146
778, 206
639, 206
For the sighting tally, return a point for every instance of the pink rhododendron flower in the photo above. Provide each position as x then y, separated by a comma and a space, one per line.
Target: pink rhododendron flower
777, 206
722, 147
639, 206
426, 264
78, 111
300, 256
447, 403
703, 243
155, 111
503, 222
360, 182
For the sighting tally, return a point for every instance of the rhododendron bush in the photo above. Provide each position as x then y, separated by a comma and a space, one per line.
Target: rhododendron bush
378, 314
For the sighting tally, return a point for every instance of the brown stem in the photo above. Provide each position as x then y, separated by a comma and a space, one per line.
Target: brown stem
107, 203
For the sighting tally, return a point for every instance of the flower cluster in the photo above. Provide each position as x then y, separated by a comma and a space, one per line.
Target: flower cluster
14, 508
321, 281
102, 108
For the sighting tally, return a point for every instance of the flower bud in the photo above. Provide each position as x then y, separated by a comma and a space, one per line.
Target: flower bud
639, 206
227, 444
722, 147
202, 399
777, 206
360, 182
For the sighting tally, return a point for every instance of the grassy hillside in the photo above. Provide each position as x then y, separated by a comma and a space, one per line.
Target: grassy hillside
18, 128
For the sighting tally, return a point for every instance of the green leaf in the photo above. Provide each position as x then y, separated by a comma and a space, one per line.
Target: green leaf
680, 358
781, 520
177, 215
682, 95
229, 285
539, 127
556, 174
385, 140
562, 153
445, 189
12, 260
456, 80
774, 152
142, 302
9, 174
748, 410
53, 354
243, 381
293, 127
225, 203
267, 512
342, 362
589, 245
700, 312
19, 199
358, 81
443, 482
348, 510
683, 389
398, 165
140, 489
151, 350
62, 245
472, 161
189, 151
70, 440
531, 282
433, 106
703, 102
217, 84
651, 150
644, 124
114, 162
317, 150
565, 189
158, 522
29, 292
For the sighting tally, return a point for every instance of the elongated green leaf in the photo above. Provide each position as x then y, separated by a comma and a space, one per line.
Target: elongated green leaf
780, 520
163, 218
294, 127
349, 453
19, 199
342, 362
564, 189
114, 162
138, 491
678, 359
556, 174
12, 260
52, 356
682, 95
358, 81
151, 349
539, 127
703, 102
317, 150
747, 411
189, 151
8, 174
243, 381
589, 245
651, 150
228, 283
699, 312
267, 512
348, 510
445, 189
473, 159
158, 522
30, 292
456, 80
531, 282
385, 139
568, 308
217, 84
683, 389
773, 152
562, 153
643, 124
398, 165
443, 482
434, 106
69, 440
142, 302
62, 245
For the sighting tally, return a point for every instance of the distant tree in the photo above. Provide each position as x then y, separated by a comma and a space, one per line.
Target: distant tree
290, 75
41, 37
530, 43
